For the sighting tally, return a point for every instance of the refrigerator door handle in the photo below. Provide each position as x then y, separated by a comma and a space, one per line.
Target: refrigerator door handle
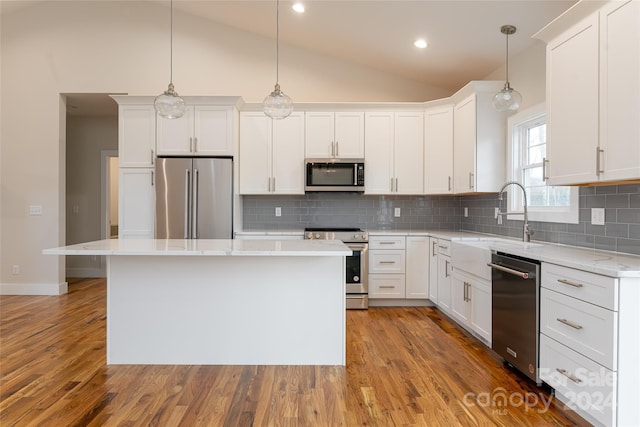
194, 225
187, 202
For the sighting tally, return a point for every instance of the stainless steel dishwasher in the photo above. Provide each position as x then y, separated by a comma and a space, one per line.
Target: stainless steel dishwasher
515, 315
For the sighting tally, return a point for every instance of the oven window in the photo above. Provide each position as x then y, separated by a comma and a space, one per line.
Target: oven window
333, 174
354, 267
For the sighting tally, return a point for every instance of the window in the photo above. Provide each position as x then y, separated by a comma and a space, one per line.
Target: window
528, 149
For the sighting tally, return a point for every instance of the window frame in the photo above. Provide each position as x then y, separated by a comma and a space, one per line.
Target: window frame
515, 155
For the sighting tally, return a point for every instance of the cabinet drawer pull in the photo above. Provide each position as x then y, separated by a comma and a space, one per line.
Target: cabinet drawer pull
568, 375
433, 248
569, 323
446, 268
387, 287
449, 186
570, 283
387, 243
443, 247
599, 170
387, 262
545, 162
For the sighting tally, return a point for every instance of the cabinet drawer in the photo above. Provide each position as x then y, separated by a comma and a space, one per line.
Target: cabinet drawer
589, 287
588, 329
585, 385
386, 286
386, 261
386, 242
444, 247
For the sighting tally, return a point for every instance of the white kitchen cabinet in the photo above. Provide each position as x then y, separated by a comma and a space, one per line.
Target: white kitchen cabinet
438, 150
433, 270
334, 135
203, 130
271, 154
136, 135
394, 152
589, 347
387, 267
417, 267
136, 203
471, 303
444, 275
572, 105
478, 145
593, 95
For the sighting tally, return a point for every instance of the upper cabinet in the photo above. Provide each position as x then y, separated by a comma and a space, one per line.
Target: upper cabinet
394, 146
204, 130
334, 135
438, 150
136, 135
478, 143
593, 94
271, 154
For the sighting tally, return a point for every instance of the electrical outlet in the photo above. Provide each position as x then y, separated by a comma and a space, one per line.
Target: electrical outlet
15, 269
278, 211
496, 214
597, 216
466, 212
396, 212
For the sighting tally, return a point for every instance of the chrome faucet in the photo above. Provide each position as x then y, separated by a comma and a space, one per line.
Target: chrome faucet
527, 231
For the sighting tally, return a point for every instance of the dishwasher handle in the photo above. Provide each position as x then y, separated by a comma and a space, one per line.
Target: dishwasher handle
523, 274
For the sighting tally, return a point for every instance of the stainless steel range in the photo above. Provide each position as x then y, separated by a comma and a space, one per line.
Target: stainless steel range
357, 282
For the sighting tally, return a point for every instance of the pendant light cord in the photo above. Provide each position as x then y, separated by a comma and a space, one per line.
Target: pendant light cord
507, 59
171, 43
277, 40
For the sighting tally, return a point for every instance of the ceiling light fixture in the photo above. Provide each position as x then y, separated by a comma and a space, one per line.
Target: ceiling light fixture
169, 104
420, 43
298, 7
507, 99
277, 105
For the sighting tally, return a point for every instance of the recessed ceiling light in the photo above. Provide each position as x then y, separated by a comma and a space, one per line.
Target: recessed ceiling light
420, 43
298, 7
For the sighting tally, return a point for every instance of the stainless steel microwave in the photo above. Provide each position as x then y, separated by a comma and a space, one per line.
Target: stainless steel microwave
334, 175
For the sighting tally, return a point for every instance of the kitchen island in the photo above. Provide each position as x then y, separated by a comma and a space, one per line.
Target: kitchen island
248, 302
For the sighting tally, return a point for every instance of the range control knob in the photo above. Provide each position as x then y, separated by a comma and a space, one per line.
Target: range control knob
317, 236
356, 236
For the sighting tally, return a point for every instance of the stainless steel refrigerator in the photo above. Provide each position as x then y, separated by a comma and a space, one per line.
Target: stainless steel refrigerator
194, 198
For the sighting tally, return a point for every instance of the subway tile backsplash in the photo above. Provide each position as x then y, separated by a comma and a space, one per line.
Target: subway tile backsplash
621, 231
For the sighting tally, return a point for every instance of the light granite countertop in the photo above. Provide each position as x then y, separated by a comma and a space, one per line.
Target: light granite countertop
205, 247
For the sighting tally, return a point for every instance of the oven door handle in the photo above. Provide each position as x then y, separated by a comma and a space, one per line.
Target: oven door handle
522, 274
357, 246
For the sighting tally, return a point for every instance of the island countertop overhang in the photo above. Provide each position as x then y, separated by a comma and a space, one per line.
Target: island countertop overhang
204, 247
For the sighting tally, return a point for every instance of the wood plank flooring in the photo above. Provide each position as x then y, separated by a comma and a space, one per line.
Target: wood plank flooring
405, 367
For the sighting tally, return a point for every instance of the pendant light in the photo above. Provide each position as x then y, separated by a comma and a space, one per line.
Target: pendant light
277, 105
169, 104
507, 99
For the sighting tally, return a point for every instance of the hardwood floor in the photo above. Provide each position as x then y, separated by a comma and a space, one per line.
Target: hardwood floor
405, 367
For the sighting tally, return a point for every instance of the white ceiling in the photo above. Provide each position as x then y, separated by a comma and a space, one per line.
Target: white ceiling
464, 36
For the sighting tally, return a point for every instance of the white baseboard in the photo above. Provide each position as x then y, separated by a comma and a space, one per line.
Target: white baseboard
86, 272
399, 302
33, 288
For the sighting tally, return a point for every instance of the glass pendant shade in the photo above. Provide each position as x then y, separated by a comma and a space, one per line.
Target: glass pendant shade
169, 104
277, 105
507, 99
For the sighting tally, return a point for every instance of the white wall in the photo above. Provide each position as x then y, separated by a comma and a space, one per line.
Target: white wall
56, 47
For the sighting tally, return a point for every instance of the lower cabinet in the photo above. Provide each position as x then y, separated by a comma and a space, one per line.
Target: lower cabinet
471, 303
589, 343
398, 267
433, 270
137, 203
445, 270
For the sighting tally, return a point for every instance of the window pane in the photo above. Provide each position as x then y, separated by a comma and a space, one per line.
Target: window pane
537, 153
559, 196
537, 196
537, 135
533, 177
